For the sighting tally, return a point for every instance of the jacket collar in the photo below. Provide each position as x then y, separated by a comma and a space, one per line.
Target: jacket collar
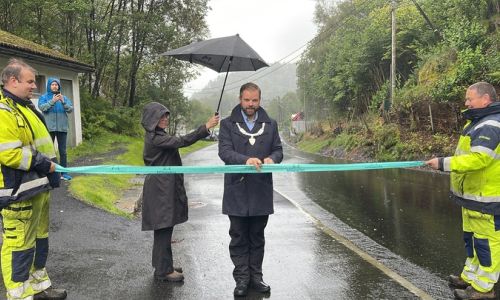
15, 98
478, 113
25, 103
236, 116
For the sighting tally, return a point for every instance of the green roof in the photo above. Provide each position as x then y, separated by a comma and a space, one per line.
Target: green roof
13, 45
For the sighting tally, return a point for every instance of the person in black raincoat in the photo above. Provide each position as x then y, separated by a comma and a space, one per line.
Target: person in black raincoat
249, 137
164, 196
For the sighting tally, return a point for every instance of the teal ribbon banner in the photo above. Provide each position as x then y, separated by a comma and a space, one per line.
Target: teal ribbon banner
266, 168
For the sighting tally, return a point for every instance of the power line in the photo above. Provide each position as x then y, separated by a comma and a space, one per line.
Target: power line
319, 38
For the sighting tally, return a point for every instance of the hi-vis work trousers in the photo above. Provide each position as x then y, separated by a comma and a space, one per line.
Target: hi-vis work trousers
25, 247
482, 244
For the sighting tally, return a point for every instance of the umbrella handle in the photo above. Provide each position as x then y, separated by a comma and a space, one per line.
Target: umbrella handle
224, 85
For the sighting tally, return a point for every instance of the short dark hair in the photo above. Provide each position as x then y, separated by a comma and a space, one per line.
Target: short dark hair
249, 86
483, 88
14, 68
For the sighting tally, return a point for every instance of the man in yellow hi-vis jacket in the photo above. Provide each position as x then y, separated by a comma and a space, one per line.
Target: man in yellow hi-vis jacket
475, 185
27, 173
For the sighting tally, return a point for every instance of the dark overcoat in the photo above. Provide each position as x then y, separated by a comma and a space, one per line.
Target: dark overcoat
164, 200
248, 194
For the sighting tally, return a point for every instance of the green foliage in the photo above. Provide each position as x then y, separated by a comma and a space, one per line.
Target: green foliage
101, 191
99, 144
198, 114
346, 69
99, 117
348, 142
381, 97
313, 146
465, 34
387, 142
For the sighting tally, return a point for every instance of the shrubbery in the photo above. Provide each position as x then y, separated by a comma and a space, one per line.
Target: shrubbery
99, 116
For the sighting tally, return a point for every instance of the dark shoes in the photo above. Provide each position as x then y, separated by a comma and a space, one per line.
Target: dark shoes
471, 293
260, 286
457, 281
175, 276
241, 289
51, 294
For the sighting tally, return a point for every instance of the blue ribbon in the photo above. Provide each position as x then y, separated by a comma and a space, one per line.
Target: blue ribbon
266, 168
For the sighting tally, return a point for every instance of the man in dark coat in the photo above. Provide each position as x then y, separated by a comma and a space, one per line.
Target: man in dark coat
249, 137
164, 196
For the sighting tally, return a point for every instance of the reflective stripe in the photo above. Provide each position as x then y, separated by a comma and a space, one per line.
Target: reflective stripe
470, 265
41, 286
479, 149
25, 158
6, 192
18, 292
40, 280
447, 164
32, 184
10, 145
491, 276
486, 286
483, 199
5, 107
24, 187
485, 150
469, 270
43, 141
470, 275
488, 123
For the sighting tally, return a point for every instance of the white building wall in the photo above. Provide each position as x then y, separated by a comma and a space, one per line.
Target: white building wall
75, 118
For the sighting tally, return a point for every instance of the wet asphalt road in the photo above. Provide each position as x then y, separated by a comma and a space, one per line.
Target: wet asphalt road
95, 255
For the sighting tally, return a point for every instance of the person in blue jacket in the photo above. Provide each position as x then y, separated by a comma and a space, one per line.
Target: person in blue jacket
56, 107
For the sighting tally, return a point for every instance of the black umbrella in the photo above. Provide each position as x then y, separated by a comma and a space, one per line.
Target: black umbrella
223, 54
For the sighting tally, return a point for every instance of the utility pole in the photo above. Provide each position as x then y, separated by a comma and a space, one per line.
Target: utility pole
393, 51
305, 120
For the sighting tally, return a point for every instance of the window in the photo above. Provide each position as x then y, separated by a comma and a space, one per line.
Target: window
41, 85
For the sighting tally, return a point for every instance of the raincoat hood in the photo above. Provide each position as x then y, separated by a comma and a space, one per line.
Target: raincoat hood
49, 82
151, 115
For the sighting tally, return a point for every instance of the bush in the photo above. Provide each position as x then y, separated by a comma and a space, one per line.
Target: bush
99, 116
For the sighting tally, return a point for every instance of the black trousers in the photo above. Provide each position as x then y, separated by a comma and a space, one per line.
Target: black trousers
247, 246
162, 251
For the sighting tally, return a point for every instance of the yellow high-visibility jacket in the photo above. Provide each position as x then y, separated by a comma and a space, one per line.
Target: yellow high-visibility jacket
475, 167
25, 151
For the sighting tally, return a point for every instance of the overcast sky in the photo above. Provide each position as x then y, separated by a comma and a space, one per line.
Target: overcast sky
273, 28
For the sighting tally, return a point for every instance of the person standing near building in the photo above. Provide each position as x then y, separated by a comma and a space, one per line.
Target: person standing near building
27, 175
164, 200
475, 186
56, 107
248, 136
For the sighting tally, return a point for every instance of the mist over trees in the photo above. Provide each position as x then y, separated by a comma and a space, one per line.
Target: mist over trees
442, 47
274, 81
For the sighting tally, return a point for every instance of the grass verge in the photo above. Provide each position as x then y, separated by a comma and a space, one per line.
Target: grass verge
104, 191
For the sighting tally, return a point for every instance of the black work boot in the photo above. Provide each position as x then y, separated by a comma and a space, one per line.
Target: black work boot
241, 289
51, 294
260, 286
458, 282
472, 294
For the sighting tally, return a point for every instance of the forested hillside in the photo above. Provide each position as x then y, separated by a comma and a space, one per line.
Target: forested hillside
441, 48
123, 40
